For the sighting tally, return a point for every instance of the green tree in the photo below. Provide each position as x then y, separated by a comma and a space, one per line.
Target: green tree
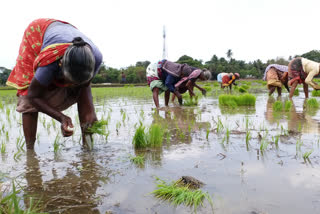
4, 74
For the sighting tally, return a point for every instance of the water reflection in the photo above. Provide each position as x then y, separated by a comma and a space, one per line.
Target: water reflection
180, 123
297, 121
75, 192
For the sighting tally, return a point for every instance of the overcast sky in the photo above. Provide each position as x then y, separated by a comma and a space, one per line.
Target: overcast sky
127, 31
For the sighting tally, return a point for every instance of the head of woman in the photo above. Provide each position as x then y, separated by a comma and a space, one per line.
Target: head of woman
78, 62
205, 75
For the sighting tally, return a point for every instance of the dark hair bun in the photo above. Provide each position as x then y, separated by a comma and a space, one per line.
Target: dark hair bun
78, 42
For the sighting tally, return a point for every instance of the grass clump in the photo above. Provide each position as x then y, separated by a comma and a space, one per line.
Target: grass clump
277, 106
191, 101
178, 194
151, 138
98, 127
234, 100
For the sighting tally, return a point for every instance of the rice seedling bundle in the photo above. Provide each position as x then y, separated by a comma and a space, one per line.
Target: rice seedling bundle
191, 101
207, 88
296, 92
316, 93
288, 105
180, 195
312, 103
245, 87
234, 100
155, 136
242, 89
98, 127
139, 140
277, 106
151, 138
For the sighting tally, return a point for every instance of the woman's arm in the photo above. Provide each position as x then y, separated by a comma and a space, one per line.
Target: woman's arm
190, 84
36, 93
203, 91
293, 87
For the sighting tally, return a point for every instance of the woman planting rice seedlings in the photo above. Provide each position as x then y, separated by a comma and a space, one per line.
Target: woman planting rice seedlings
302, 71
226, 79
164, 75
55, 66
276, 76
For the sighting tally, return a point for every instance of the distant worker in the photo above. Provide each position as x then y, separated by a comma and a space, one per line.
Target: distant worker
302, 71
123, 77
276, 76
188, 83
163, 76
227, 79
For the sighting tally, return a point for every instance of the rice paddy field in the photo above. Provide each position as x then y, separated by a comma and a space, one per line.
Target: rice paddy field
252, 153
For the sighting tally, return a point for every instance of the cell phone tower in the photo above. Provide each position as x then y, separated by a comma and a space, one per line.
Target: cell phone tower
164, 51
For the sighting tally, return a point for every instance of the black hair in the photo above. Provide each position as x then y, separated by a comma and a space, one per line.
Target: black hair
78, 62
296, 64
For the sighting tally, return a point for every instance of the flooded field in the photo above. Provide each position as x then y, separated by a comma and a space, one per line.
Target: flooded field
250, 159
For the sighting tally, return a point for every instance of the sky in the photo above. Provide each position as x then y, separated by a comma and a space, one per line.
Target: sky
127, 31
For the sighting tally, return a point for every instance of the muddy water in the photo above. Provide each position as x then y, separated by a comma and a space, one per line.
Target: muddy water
240, 177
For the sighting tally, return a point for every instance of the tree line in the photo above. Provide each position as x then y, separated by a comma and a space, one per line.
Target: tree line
137, 73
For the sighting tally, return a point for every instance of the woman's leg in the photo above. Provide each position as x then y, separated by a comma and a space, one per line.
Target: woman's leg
29, 123
271, 89
155, 95
279, 89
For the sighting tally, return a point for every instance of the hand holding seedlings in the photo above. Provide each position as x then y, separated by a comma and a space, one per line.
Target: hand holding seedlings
66, 126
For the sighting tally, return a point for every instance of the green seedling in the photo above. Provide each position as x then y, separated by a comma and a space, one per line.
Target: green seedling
227, 135
299, 144
248, 137
3, 148
207, 134
56, 145
138, 160
307, 154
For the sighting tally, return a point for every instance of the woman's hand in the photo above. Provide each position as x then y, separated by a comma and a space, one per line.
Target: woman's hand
204, 92
66, 126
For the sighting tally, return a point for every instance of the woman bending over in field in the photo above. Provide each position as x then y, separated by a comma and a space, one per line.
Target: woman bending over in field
55, 66
302, 71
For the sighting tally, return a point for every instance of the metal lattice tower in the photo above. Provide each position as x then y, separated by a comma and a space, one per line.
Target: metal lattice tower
164, 51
